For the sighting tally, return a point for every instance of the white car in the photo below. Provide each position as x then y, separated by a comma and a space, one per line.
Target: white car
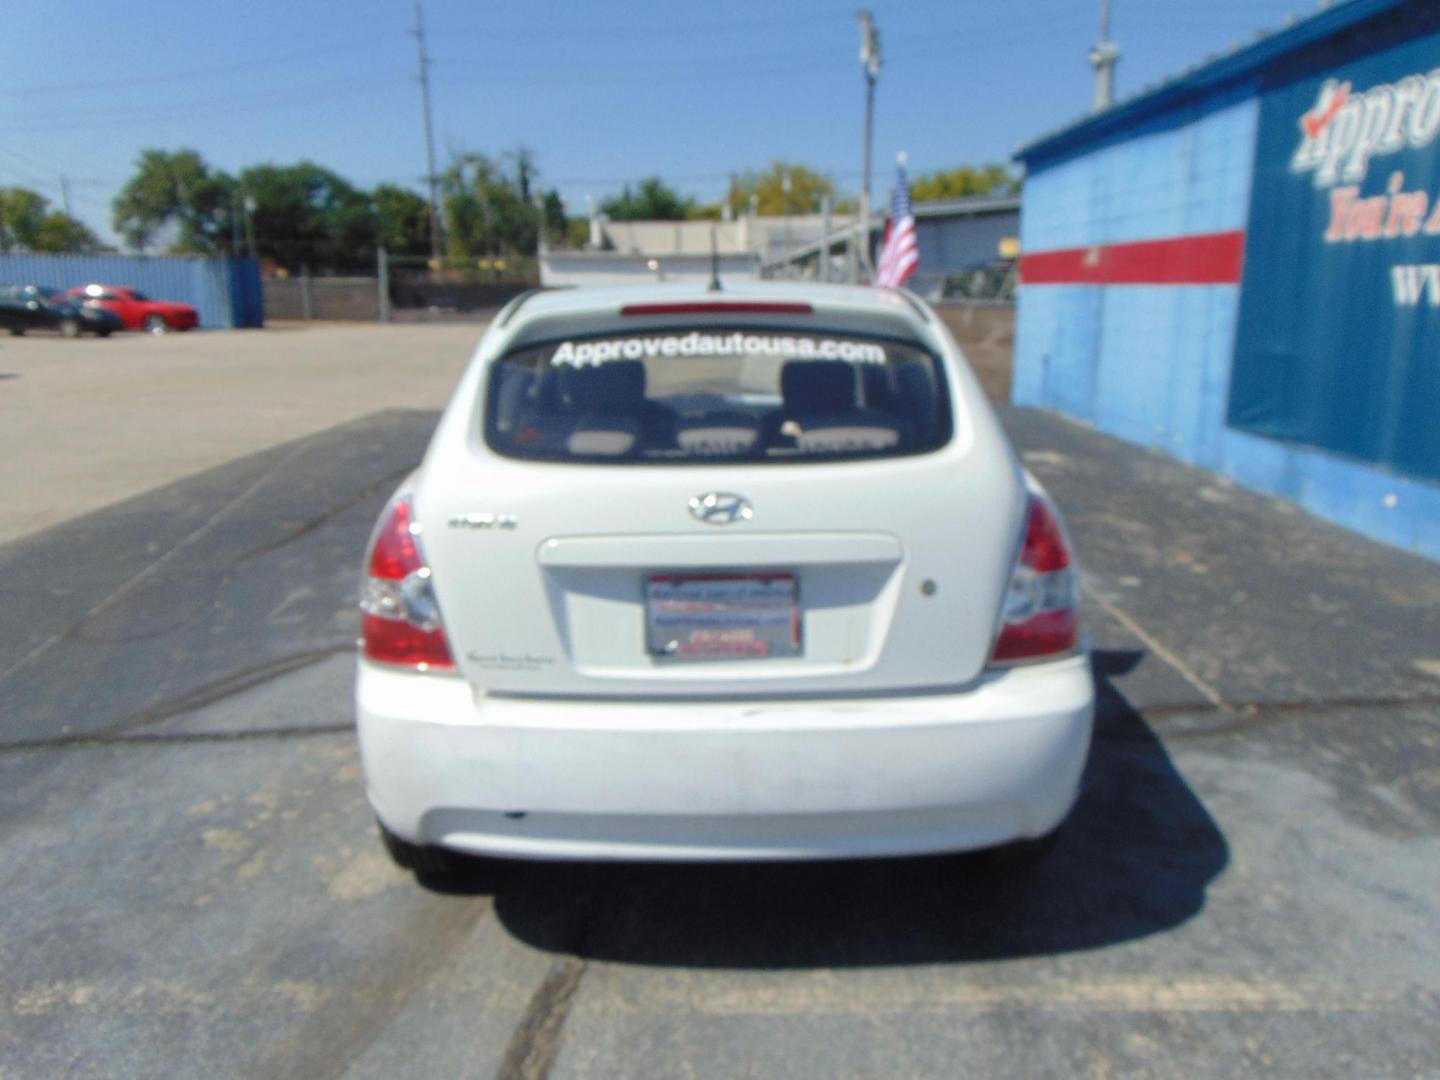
710, 575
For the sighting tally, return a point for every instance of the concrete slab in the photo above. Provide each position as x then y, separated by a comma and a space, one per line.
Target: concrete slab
98, 421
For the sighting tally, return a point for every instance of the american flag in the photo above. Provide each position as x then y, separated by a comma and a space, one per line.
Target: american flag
901, 253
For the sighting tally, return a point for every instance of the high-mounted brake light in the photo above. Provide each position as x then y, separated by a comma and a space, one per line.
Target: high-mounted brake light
401, 623
719, 307
1041, 601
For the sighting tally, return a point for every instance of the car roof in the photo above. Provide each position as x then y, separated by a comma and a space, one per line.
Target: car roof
851, 299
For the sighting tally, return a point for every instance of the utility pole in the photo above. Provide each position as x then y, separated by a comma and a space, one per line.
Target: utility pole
65, 194
430, 177
1104, 56
870, 62
250, 206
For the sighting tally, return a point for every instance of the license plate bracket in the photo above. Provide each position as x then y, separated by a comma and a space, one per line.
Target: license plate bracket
698, 617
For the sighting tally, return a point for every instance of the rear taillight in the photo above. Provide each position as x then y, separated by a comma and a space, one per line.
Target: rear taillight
401, 623
1040, 603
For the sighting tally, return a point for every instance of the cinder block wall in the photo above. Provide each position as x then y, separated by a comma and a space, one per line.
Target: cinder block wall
1151, 363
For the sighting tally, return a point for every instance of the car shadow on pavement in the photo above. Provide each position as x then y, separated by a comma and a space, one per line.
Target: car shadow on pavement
1134, 859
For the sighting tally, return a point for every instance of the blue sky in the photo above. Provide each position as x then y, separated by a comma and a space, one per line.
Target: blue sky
601, 93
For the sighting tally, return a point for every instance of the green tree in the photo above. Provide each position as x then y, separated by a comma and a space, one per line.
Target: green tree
489, 205
22, 213
784, 188
966, 181
556, 224
402, 220
28, 224
308, 216
577, 232
651, 201
62, 233
176, 190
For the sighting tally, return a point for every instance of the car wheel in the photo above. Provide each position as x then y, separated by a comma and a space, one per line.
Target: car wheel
17, 331
69, 327
438, 867
156, 324
103, 333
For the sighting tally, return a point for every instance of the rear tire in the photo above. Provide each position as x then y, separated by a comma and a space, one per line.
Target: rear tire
156, 324
17, 331
424, 860
70, 328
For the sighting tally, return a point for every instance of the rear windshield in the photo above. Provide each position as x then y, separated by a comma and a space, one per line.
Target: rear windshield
701, 395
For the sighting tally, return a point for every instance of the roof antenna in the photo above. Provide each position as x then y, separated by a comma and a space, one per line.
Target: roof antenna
714, 261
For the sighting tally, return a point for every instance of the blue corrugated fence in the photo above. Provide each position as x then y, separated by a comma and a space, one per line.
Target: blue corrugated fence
226, 292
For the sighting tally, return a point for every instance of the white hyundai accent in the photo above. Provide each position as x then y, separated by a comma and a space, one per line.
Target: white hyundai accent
688, 574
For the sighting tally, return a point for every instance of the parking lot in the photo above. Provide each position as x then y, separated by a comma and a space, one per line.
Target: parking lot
1250, 883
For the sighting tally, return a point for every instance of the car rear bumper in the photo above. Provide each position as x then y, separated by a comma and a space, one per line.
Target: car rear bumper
753, 779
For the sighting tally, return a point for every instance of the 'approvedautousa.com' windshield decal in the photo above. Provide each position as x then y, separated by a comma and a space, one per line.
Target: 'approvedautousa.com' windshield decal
789, 347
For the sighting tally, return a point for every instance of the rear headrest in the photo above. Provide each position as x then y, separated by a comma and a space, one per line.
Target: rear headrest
614, 387
877, 381
817, 386
917, 392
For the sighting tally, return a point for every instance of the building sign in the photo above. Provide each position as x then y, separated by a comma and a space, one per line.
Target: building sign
1339, 338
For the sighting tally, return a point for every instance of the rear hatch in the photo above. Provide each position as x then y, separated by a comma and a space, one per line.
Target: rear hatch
761, 507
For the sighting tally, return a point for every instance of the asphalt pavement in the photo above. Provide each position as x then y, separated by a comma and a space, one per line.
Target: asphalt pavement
1250, 883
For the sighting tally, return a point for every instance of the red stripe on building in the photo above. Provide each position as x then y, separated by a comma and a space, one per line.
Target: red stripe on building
1205, 259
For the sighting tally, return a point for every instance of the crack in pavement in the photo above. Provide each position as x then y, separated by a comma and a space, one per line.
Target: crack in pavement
304, 529
1128, 621
177, 738
536, 1041
135, 580
1240, 717
221, 579
228, 686
76, 629
416, 947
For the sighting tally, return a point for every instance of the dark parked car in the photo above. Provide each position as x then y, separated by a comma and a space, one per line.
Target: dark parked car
35, 307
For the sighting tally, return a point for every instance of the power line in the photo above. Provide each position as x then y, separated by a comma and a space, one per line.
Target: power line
89, 119
941, 43
629, 31
212, 106
698, 72
180, 76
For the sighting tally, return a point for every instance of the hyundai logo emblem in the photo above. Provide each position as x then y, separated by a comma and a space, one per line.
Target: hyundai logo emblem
720, 508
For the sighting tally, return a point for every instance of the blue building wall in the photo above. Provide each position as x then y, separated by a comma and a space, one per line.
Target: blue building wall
226, 292
1151, 363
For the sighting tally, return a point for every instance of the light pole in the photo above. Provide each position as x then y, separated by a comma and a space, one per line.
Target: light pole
785, 190
870, 63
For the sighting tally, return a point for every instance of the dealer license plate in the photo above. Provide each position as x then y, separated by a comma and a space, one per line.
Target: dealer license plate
722, 616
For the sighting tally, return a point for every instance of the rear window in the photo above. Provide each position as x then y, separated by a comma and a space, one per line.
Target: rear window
729, 394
